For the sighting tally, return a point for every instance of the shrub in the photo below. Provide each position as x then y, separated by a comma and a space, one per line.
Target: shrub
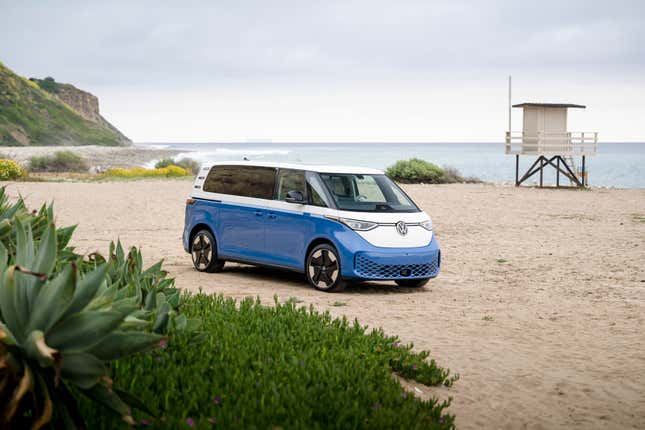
186, 163
61, 161
277, 367
10, 170
189, 164
171, 171
164, 162
415, 170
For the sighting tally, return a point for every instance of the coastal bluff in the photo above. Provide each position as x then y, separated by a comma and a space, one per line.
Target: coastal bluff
43, 112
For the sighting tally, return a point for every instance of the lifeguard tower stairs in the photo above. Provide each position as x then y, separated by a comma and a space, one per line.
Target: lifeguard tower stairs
545, 136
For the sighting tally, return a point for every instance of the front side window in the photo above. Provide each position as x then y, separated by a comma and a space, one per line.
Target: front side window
290, 180
316, 191
246, 181
367, 193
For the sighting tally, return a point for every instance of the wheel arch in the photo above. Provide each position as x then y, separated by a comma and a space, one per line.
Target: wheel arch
314, 243
195, 229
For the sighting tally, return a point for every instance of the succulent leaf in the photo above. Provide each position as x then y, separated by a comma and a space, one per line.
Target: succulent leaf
7, 303
102, 394
53, 300
86, 289
121, 344
37, 349
82, 369
83, 330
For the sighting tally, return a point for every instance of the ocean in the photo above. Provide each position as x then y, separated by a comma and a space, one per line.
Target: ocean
620, 165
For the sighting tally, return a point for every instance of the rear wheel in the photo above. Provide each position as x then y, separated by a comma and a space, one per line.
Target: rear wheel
204, 252
411, 283
323, 269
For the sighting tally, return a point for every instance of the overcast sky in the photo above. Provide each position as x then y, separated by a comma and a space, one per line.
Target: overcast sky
336, 70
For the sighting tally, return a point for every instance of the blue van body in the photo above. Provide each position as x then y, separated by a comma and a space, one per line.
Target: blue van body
268, 236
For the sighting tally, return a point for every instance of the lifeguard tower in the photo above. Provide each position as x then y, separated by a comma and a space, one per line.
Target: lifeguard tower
544, 135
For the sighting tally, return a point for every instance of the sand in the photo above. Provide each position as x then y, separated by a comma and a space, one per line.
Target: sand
540, 306
96, 156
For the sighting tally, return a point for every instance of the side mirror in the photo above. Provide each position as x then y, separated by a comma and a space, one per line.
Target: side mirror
295, 197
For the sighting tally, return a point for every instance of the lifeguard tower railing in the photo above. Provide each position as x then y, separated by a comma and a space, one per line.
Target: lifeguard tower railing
571, 143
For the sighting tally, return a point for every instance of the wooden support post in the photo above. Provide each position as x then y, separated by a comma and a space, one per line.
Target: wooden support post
541, 170
584, 178
557, 172
517, 169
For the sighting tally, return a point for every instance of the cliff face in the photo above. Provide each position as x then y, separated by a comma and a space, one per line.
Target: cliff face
87, 106
84, 103
45, 112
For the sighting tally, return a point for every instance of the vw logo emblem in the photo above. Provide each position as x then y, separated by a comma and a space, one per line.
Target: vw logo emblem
401, 228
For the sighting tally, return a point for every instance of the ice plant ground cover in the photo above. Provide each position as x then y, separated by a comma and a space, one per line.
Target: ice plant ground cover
255, 366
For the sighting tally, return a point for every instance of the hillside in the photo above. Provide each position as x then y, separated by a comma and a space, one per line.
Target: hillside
44, 112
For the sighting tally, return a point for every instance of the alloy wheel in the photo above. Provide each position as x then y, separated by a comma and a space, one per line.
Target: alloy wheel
323, 268
202, 251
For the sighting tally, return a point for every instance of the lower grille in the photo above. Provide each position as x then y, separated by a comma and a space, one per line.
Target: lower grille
368, 268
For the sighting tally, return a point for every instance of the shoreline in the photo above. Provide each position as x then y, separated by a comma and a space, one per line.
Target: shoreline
103, 156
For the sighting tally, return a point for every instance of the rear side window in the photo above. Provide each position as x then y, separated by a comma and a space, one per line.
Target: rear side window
246, 181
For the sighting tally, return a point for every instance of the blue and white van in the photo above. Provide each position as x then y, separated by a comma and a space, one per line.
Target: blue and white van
334, 224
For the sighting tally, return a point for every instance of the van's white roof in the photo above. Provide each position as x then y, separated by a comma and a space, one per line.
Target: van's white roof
311, 167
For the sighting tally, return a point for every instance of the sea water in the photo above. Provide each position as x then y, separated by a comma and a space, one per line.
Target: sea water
615, 165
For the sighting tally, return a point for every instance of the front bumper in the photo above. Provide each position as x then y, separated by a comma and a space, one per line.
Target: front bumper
362, 260
402, 265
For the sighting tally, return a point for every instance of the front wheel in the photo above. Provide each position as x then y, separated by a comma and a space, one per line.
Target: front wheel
412, 283
323, 269
204, 252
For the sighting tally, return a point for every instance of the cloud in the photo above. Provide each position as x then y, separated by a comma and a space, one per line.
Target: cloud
304, 48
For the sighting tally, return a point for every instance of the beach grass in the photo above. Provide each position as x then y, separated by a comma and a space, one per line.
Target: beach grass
255, 366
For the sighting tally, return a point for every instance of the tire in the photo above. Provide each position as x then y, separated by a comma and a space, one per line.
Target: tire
412, 283
322, 269
203, 250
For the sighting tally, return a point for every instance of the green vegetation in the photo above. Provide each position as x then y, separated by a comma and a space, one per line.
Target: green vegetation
64, 318
501, 260
277, 367
61, 161
638, 217
415, 170
10, 170
141, 172
48, 84
30, 115
186, 163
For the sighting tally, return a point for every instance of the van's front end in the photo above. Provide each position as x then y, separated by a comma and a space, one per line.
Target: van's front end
383, 234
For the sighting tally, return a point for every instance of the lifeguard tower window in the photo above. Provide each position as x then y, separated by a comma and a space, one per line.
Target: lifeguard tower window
545, 135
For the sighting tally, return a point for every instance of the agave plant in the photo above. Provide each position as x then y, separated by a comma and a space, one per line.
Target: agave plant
38, 221
60, 328
159, 300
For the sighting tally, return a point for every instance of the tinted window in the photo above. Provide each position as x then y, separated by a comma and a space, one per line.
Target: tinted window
246, 181
290, 180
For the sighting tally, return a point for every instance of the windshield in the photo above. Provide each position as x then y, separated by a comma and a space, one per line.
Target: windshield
366, 193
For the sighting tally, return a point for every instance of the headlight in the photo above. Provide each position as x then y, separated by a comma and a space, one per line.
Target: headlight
427, 225
358, 225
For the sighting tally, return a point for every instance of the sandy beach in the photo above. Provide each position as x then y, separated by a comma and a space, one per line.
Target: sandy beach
540, 306
103, 156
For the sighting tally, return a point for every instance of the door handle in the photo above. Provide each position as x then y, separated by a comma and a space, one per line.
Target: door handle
258, 213
272, 216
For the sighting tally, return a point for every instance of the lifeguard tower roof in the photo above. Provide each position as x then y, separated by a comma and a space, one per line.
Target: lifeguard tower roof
549, 105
